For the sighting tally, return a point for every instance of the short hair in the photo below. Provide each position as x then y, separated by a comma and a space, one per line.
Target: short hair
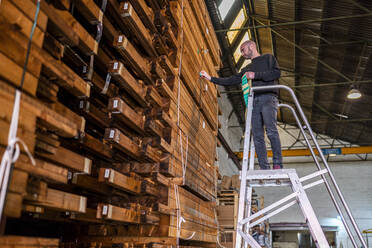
247, 42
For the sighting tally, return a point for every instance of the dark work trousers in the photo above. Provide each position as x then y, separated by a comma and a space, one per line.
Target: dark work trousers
265, 108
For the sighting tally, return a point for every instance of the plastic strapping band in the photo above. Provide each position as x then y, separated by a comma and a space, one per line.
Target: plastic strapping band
99, 31
107, 84
180, 219
104, 4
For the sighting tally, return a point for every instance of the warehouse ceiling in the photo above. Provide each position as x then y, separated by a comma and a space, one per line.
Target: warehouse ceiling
323, 48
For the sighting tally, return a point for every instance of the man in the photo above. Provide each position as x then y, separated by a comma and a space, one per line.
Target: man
264, 70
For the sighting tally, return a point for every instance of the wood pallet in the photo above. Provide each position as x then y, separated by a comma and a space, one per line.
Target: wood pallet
110, 122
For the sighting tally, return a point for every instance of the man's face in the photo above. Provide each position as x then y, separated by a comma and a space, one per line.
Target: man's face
246, 52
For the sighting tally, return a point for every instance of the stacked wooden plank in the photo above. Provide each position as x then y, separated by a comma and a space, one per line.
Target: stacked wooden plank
122, 128
227, 212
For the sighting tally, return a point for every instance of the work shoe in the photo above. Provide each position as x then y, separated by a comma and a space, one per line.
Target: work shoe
277, 167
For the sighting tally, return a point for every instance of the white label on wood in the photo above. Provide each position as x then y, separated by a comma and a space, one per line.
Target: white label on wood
203, 124
120, 39
207, 30
104, 210
125, 5
81, 105
83, 204
107, 173
116, 64
87, 165
115, 104
206, 87
112, 133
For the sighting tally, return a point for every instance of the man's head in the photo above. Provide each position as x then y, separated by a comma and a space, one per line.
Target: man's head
248, 49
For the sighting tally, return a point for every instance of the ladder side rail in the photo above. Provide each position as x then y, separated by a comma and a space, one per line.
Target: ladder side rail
338, 191
347, 228
249, 188
308, 211
249, 239
243, 181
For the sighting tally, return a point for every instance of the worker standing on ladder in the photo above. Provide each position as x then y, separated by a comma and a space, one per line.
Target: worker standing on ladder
263, 71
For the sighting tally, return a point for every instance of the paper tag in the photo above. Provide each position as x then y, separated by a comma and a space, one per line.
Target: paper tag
116, 64
87, 164
112, 133
81, 105
104, 210
207, 30
206, 87
120, 39
125, 5
203, 124
115, 104
69, 175
107, 173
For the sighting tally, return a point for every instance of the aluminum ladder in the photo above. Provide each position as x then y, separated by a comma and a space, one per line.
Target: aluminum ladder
262, 178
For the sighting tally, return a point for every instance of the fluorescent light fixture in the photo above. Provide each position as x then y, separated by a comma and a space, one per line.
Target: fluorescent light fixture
332, 154
341, 115
224, 7
354, 94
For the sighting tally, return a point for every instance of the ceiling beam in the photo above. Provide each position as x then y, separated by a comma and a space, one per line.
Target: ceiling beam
297, 22
312, 56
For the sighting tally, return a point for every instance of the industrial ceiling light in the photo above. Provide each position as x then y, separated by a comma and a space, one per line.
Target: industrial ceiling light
354, 93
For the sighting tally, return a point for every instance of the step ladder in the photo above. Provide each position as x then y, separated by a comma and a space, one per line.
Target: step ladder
287, 177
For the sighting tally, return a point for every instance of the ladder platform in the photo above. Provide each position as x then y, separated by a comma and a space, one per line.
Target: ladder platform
273, 178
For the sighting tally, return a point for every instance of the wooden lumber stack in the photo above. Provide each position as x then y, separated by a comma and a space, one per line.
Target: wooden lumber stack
121, 126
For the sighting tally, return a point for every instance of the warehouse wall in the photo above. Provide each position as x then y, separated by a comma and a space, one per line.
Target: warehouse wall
354, 179
231, 134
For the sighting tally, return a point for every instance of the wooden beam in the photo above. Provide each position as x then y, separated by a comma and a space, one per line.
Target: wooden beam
69, 159
63, 201
122, 112
139, 64
134, 23
56, 122
65, 76
10, 241
128, 82
118, 180
114, 213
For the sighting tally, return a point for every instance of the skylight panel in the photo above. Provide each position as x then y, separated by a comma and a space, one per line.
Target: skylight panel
224, 7
238, 23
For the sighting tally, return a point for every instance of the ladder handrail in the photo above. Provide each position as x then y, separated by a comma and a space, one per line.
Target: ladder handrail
303, 117
319, 168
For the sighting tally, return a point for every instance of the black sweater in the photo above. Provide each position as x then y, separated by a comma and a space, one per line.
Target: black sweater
267, 72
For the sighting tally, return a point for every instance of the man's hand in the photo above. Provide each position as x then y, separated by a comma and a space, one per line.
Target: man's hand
249, 74
205, 75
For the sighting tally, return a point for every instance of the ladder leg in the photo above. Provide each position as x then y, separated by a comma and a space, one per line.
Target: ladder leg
249, 190
313, 223
243, 181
